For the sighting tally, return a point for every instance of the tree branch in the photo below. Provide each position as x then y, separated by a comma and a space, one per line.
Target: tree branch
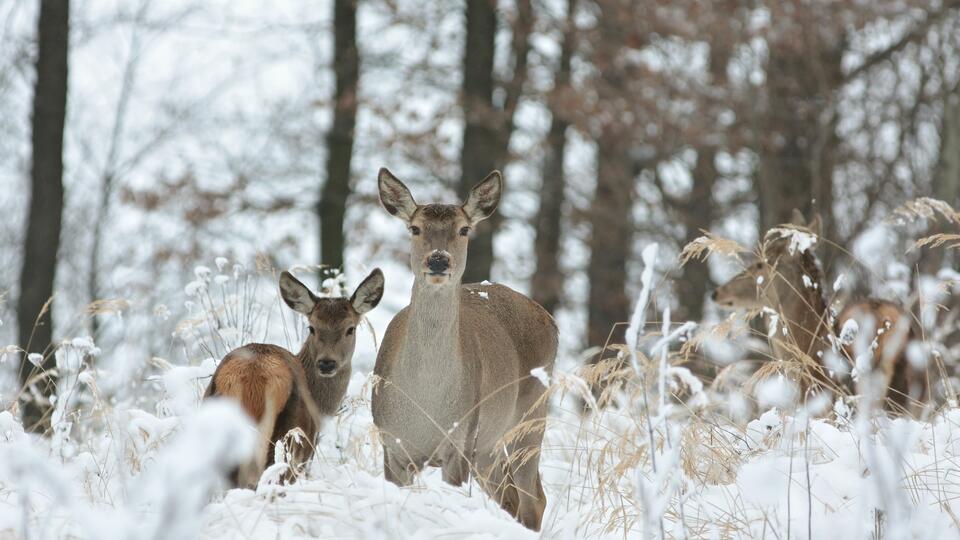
919, 31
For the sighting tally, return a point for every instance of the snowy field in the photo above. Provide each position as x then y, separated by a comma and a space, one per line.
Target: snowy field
133, 454
208, 118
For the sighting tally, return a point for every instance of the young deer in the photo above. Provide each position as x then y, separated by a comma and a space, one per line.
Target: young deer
786, 284
281, 391
454, 366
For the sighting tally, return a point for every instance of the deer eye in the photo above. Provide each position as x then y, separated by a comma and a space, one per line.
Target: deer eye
350, 330
464, 231
414, 230
312, 330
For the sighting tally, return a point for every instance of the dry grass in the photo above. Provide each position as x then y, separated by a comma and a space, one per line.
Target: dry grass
704, 246
635, 463
932, 210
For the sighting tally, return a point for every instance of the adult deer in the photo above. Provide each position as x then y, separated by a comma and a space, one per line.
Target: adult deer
786, 284
282, 392
455, 387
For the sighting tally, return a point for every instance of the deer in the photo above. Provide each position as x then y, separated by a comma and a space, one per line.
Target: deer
455, 388
786, 285
281, 391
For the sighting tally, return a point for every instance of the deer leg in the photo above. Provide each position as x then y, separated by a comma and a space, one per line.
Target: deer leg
399, 467
524, 457
498, 482
455, 469
528, 493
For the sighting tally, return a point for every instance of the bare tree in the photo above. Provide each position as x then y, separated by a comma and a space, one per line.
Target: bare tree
611, 239
112, 164
488, 126
699, 208
46, 207
798, 139
478, 154
946, 176
610, 212
547, 282
336, 188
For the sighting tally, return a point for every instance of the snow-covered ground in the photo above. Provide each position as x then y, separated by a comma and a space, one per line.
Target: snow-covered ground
134, 455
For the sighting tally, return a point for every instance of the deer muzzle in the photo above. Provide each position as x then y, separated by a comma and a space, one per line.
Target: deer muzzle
327, 367
438, 263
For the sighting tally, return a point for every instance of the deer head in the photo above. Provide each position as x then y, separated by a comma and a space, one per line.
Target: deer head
332, 321
439, 232
781, 263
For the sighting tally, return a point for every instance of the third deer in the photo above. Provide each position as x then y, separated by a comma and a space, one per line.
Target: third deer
786, 284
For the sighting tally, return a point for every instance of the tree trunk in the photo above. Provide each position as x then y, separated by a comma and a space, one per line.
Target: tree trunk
111, 165
946, 181
698, 214
547, 282
46, 208
797, 146
336, 189
488, 128
610, 244
479, 152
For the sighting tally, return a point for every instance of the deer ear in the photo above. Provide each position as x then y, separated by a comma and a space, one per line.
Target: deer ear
816, 225
484, 198
296, 294
796, 218
368, 293
395, 197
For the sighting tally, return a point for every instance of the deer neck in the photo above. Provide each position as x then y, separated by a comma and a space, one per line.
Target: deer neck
801, 310
325, 392
433, 326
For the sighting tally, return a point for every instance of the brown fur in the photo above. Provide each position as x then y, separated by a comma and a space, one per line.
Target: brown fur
907, 386
440, 212
775, 282
455, 388
253, 375
282, 392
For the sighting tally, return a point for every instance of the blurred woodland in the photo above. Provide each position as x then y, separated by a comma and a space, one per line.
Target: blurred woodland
144, 137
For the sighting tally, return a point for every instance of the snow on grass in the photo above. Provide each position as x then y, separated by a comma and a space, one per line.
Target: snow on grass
149, 463
776, 472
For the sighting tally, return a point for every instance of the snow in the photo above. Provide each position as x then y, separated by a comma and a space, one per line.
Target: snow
541, 375
800, 241
777, 391
637, 319
119, 461
849, 331
144, 474
135, 455
948, 274
838, 283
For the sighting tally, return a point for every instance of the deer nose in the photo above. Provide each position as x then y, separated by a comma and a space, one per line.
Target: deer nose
713, 296
327, 366
438, 262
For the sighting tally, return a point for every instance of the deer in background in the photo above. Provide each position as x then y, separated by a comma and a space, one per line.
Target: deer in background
282, 392
455, 388
786, 284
